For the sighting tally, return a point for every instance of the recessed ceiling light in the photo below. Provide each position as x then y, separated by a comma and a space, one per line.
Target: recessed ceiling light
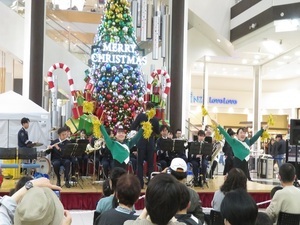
287, 57
244, 61
207, 58
297, 53
218, 40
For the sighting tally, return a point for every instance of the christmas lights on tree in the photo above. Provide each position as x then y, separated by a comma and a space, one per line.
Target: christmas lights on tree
115, 77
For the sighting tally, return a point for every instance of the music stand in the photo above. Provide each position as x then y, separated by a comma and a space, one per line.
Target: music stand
179, 146
194, 148
207, 149
69, 150
166, 145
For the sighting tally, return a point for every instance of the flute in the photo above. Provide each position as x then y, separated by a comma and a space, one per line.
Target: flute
51, 146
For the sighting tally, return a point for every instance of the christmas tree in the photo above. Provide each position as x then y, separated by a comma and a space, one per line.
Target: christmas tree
118, 85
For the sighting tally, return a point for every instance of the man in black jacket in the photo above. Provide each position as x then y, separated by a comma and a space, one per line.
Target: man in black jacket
280, 149
145, 146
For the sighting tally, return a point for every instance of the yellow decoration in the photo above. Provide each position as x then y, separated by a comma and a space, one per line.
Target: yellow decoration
88, 107
204, 111
96, 127
217, 135
271, 120
151, 113
265, 136
147, 127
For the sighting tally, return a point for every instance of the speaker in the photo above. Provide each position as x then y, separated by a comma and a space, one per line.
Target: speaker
295, 132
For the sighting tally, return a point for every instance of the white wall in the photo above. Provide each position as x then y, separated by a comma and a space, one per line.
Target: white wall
12, 40
214, 12
11, 31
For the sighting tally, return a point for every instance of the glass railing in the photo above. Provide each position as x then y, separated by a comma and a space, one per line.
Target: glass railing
68, 40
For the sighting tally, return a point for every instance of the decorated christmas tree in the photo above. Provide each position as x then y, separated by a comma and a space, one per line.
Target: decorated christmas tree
115, 78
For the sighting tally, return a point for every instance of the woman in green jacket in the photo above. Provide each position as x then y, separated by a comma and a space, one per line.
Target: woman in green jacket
240, 146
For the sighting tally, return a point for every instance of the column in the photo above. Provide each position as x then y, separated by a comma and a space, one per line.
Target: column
179, 97
34, 50
256, 103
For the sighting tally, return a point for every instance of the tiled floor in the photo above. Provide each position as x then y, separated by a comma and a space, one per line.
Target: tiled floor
80, 217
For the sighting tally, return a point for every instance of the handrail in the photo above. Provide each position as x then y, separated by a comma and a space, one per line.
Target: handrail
73, 36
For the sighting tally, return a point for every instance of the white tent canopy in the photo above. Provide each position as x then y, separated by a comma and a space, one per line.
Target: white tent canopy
13, 108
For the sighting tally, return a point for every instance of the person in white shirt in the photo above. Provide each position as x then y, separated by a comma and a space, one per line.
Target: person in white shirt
287, 199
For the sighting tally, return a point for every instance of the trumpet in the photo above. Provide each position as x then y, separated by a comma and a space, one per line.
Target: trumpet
97, 145
51, 146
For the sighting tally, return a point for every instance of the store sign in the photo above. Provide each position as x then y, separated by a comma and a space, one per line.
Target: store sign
117, 53
213, 100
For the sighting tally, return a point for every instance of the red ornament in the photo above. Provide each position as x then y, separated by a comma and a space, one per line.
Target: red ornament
116, 108
126, 106
108, 96
130, 102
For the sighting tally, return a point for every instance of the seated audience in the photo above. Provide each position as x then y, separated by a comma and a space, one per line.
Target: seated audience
128, 191
162, 202
20, 184
263, 219
109, 202
238, 208
18, 209
287, 199
235, 179
178, 169
274, 190
182, 215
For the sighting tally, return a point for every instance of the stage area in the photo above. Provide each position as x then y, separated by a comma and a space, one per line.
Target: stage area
85, 198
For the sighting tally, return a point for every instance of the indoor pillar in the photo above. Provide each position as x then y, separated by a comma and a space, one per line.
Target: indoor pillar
34, 50
178, 97
257, 117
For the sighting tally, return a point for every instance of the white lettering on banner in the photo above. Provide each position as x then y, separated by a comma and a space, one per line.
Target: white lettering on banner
211, 100
117, 53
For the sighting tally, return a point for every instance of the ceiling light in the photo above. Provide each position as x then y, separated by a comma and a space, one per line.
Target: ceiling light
257, 57
286, 25
272, 46
244, 61
255, 62
218, 40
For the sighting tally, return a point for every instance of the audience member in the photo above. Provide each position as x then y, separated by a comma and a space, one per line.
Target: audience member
274, 190
109, 202
162, 202
182, 214
128, 190
287, 199
238, 208
17, 209
178, 169
235, 179
20, 184
263, 219
280, 149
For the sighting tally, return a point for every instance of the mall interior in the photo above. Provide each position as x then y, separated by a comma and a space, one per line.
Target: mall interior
241, 66
237, 58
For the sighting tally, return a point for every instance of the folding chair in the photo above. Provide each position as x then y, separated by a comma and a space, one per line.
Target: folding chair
216, 218
288, 219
